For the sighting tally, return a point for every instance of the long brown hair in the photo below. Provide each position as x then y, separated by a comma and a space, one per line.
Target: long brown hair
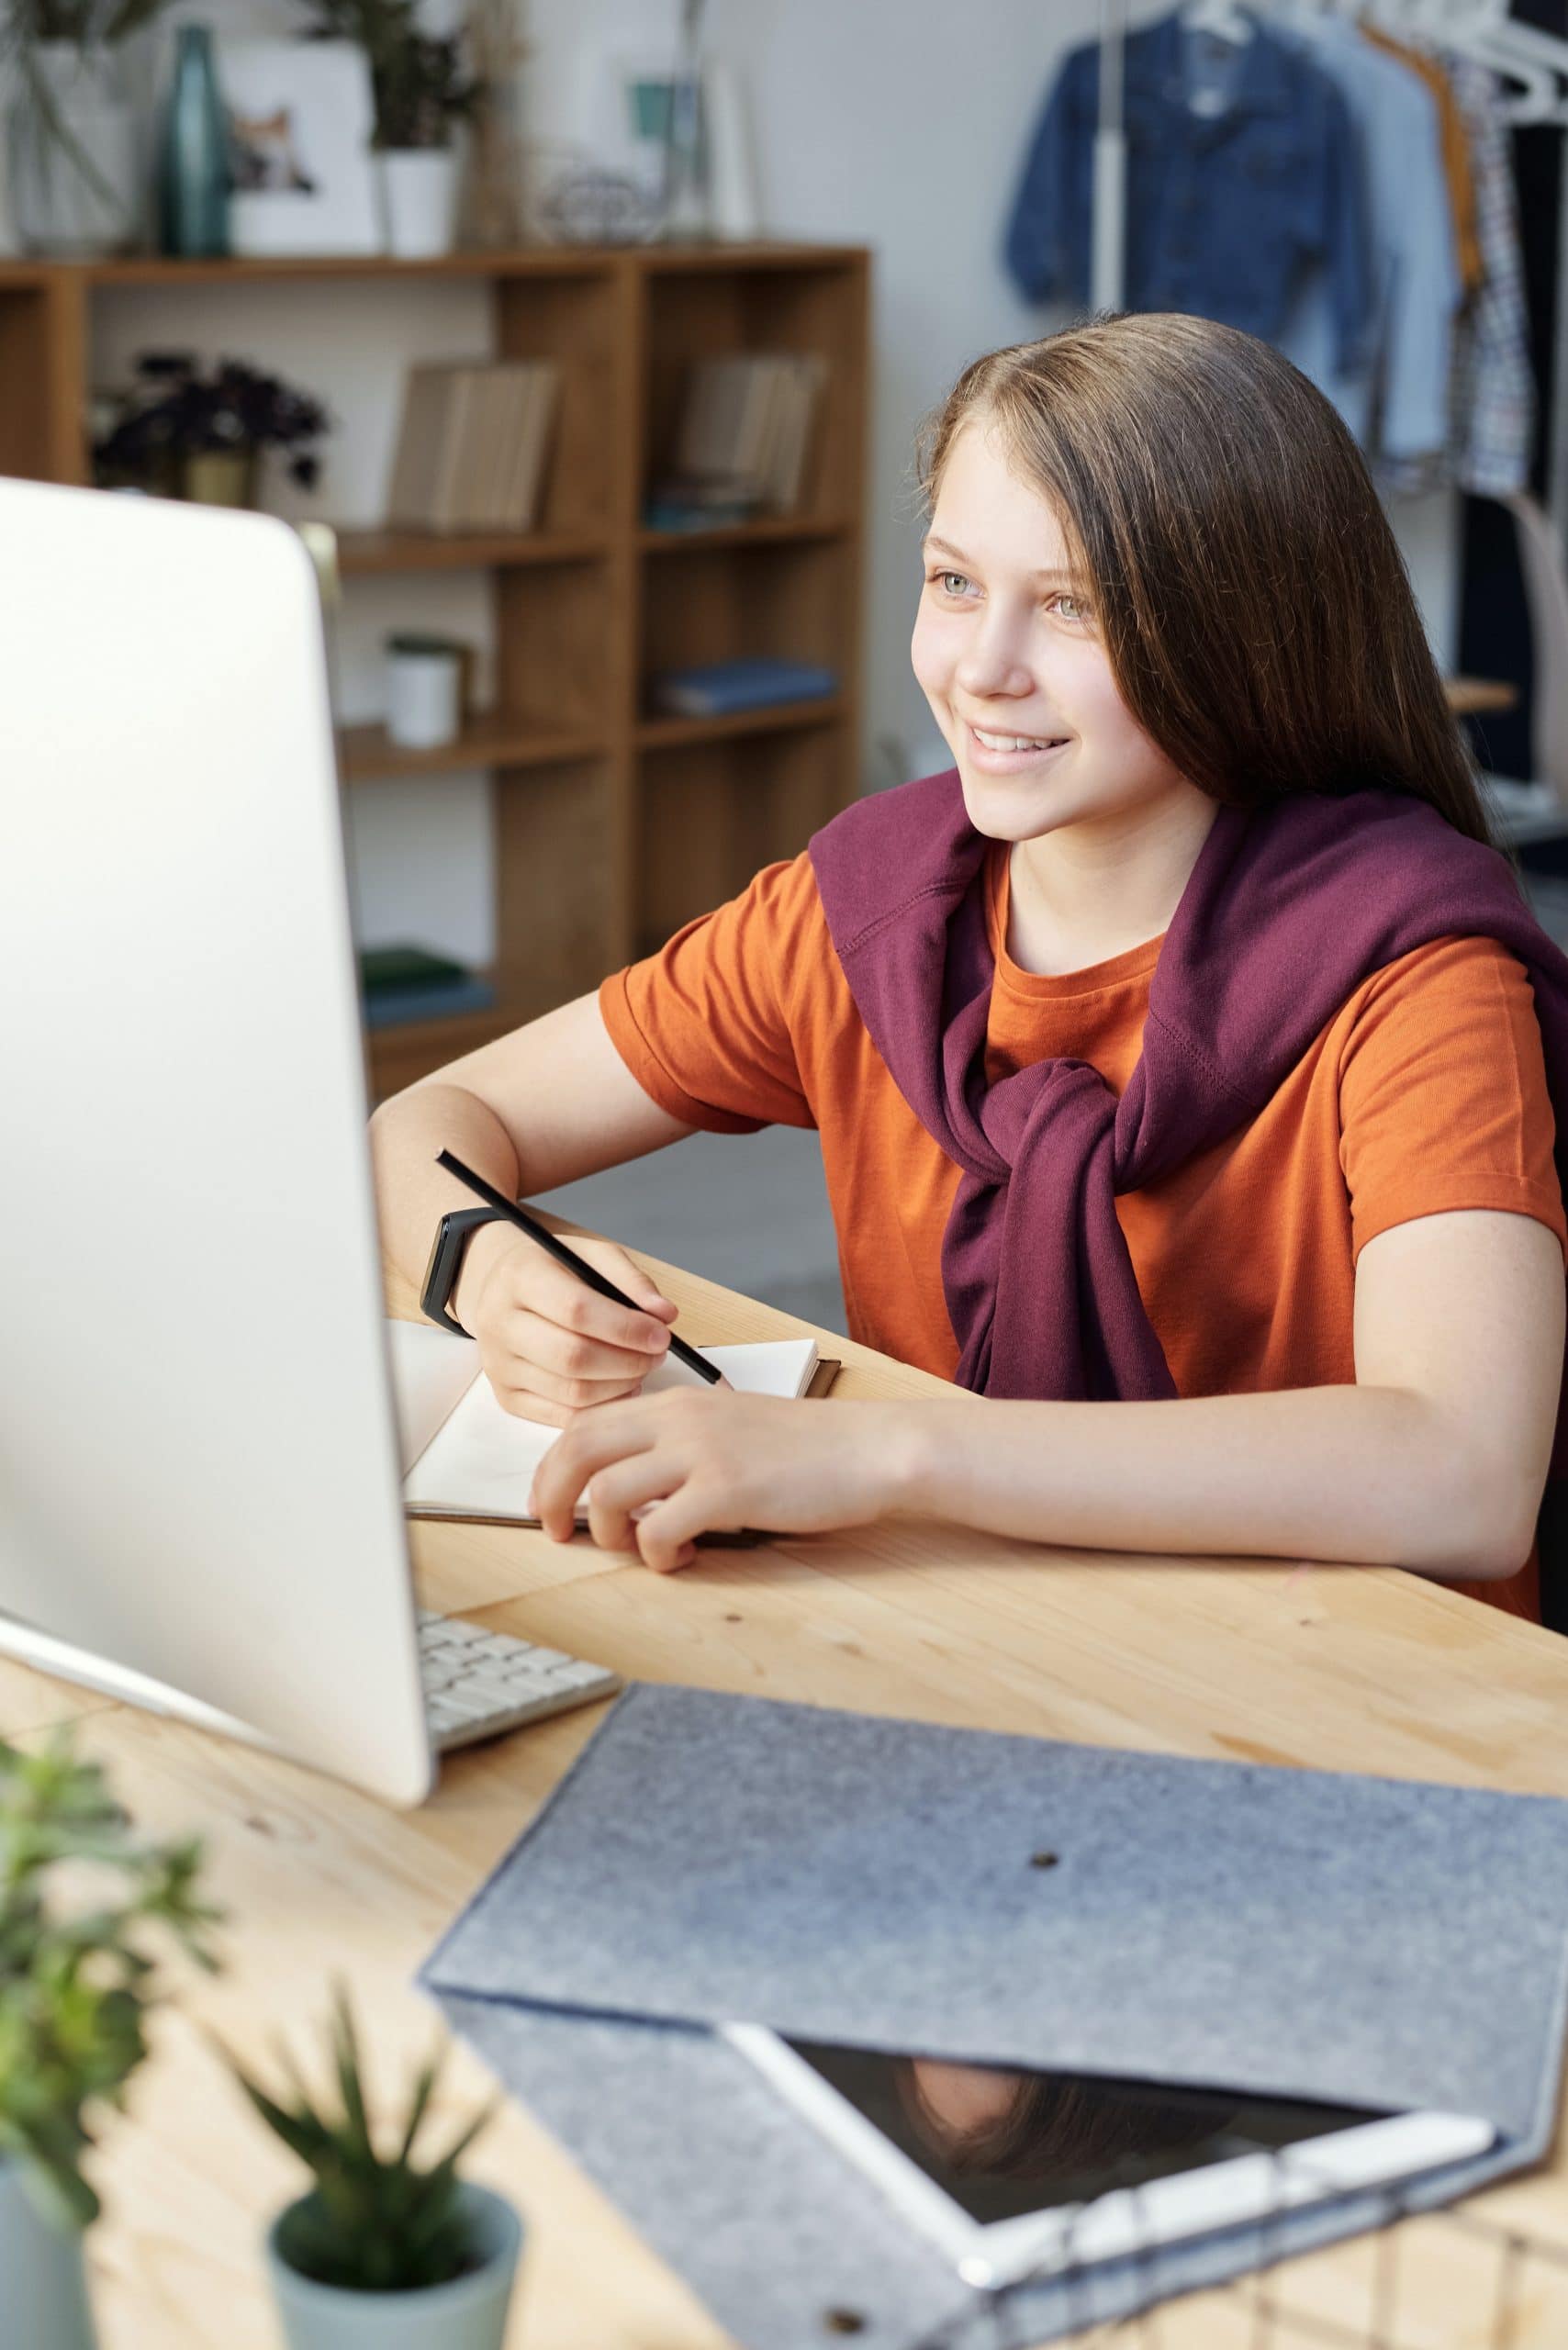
1251, 598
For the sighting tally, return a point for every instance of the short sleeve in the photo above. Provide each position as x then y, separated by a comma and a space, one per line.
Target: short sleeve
703, 1024
1443, 1100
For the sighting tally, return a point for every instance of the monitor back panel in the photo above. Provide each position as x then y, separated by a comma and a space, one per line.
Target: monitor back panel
198, 1472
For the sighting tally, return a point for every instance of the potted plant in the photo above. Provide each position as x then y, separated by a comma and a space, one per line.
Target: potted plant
187, 434
379, 2250
74, 167
77, 1892
423, 91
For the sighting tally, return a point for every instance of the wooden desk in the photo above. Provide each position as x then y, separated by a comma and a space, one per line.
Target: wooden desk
1363, 1668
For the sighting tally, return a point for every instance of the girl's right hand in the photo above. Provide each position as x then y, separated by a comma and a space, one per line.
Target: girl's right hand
550, 1346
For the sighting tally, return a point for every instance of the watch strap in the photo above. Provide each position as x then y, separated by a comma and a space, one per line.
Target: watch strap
452, 1239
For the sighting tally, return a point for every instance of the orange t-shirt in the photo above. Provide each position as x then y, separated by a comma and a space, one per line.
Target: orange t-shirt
1425, 1091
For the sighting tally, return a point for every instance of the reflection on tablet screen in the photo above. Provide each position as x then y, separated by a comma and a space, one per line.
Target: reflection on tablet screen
1002, 2143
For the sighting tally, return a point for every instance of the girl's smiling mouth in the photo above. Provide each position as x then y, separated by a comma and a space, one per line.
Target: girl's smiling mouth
1002, 753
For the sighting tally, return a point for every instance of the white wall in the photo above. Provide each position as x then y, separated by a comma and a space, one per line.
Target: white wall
901, 128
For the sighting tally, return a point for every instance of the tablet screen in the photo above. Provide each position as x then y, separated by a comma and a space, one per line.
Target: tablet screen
1004, 2143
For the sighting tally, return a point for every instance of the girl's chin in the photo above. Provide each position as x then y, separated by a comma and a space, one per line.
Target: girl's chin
1006, 811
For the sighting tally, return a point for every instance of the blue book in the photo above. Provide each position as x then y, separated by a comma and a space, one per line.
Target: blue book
754, 684
393, 1007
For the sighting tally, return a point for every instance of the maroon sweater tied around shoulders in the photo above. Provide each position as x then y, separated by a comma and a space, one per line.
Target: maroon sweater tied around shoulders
1286, 911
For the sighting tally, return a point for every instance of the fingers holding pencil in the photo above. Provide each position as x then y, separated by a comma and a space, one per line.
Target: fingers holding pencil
551, 1347
562, 1328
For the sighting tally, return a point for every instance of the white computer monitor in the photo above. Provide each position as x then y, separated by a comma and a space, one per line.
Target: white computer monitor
199, 1483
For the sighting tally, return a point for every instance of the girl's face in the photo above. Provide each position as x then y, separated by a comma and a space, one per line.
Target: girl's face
1009, 660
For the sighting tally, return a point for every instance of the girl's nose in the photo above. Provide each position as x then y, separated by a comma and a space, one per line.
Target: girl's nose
992, 663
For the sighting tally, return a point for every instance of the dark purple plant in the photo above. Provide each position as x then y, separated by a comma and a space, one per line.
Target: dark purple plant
176, 411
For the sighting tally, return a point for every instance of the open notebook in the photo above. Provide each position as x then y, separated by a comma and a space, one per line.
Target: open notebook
462, 1456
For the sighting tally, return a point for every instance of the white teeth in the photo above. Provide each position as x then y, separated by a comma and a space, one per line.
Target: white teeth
1008, 741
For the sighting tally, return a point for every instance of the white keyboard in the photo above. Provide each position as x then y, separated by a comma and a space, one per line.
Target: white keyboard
479, 1683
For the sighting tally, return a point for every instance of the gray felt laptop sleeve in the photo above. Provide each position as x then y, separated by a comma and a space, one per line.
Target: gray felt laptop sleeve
1005, 1900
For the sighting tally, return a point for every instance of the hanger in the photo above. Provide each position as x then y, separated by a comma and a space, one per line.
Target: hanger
1221, 18
1538, 60
1536, 63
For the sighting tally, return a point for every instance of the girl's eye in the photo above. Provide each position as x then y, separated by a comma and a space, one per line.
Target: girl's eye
1079, 611
952, 583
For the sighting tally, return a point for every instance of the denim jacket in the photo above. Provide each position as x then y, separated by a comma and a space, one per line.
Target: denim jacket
1226, 208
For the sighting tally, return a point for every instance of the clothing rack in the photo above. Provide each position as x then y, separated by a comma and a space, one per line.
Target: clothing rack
1532, 64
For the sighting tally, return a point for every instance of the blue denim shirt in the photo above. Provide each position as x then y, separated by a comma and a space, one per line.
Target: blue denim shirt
1227, 208
1402, 389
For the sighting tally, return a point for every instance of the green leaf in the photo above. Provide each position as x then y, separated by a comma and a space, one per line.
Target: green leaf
346, 2054
77, 1976
428, 2073
460, 2145
375, 2224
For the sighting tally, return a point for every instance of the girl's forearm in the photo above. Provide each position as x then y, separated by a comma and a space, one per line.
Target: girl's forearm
1375, 1475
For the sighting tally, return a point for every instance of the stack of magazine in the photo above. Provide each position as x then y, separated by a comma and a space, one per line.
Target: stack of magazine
402, 983
472, 444
743, 440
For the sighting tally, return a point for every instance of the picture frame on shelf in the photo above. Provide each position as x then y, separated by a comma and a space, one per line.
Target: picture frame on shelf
625, 94
302, 116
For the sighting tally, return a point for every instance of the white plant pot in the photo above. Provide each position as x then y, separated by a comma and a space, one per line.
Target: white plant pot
418, 195
60, 208
468, 2314
43, 2282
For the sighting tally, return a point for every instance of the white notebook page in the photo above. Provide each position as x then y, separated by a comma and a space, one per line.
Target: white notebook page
476, 1458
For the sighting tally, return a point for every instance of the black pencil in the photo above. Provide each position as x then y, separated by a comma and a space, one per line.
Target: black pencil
569, 1258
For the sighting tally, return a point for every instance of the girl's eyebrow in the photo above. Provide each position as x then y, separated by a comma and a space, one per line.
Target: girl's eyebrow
931, 542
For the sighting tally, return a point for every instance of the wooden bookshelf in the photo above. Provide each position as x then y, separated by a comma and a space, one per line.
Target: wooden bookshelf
372, 551
613, 823
490, 742
662, 733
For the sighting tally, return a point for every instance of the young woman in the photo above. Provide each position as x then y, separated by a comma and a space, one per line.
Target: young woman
1184, 1062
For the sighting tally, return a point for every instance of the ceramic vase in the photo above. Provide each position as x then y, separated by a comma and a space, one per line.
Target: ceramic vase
74, 179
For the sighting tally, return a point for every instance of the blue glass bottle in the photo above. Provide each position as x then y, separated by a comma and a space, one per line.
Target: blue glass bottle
195, 178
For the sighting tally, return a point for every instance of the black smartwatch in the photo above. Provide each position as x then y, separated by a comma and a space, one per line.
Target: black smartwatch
452, 1236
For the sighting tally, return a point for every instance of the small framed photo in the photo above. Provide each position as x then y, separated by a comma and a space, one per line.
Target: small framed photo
624, 99
301, 116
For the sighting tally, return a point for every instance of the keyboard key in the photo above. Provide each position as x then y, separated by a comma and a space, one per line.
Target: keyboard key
478, 1682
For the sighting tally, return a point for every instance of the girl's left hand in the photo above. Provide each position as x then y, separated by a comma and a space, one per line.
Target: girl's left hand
690, 1461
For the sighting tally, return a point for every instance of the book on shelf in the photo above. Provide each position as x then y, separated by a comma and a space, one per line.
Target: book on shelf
674, 507
472, 443
755, 683
743, 439
400, 983
403, 966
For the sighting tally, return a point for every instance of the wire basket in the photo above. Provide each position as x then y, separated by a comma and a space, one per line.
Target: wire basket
1446, 2279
